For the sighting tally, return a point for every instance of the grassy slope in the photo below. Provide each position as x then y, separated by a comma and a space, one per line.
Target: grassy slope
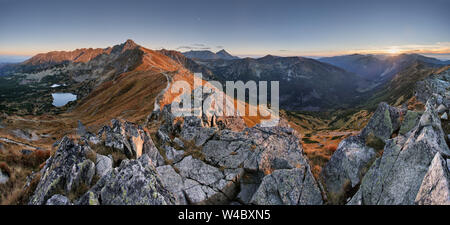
321, 132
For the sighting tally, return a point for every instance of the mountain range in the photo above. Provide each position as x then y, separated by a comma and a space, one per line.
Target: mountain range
208, 55
308, 85
355, 129
379, 68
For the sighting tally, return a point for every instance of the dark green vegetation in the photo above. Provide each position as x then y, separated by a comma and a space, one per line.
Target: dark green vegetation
343, 119
26, 95
309, 141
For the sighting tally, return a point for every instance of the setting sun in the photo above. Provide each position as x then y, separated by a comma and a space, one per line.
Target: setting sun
393, 51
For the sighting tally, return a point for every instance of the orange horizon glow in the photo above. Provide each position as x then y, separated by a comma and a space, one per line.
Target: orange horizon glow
442, 48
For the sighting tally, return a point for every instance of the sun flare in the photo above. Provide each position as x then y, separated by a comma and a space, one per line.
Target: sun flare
393, 51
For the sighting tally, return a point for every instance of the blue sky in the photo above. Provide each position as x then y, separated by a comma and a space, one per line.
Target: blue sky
245, 27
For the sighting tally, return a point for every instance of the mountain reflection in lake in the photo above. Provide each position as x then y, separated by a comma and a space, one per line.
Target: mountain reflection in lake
60, 99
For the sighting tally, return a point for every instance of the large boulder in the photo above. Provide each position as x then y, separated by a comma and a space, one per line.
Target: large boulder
435, 188
58, 200
206, 184
342, 175
274, 148
288, 187
173, 155
430, 130
66, 170
199, 183
396, 177
199, 171
80, 176
173, 182
135, 182
193, 130
410, 120
103, 165
347, 166
130, 139
383, 123
229, 154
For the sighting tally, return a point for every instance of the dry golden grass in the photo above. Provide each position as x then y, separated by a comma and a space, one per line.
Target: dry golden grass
103, 150
32, 160
415, 105
130, 97
321, 135
91, 155
18, 166
193, 150
320, 153
318, 139
18, 195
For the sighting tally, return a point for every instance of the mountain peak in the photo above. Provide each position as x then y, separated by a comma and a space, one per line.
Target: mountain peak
129, 44
130, 41
269, 57
120, 48
208, 55
225, 55
222, 51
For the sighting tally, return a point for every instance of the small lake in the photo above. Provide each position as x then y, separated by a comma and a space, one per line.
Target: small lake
60, 99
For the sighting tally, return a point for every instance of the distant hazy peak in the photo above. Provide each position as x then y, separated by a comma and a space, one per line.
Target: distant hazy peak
379, 67
269, 56
225, 55
208, 55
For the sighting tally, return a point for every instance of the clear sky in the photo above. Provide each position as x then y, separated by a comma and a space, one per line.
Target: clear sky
243, 27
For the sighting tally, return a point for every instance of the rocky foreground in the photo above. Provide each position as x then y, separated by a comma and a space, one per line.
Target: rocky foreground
400, 157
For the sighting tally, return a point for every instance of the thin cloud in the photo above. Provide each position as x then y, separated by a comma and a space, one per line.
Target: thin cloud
193, 47
199, 45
